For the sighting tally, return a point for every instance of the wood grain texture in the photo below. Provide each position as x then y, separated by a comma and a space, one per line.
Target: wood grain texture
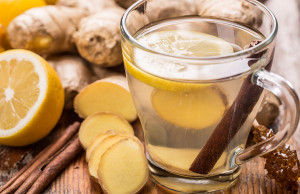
75, 179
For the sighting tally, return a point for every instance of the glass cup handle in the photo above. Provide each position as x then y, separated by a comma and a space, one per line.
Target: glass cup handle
290, 101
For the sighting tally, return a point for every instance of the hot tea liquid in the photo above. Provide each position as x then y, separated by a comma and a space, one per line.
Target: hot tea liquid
177, 111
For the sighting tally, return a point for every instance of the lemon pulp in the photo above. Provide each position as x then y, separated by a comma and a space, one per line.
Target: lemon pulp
19, 91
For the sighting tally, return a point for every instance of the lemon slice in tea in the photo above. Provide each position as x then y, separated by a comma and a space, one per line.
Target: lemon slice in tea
177, 43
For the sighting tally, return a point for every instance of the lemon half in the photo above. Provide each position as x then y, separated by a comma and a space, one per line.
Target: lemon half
31, 98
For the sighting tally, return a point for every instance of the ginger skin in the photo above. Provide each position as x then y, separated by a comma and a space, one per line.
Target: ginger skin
74, 73
235, 10
98, 38
45, 30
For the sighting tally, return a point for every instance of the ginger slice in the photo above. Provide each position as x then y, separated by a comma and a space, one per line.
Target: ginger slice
96, 142
98, 151
123, 167
107, 95
99, 140
101, 122
193, 109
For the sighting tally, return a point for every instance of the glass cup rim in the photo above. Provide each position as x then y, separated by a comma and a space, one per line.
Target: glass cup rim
247, 52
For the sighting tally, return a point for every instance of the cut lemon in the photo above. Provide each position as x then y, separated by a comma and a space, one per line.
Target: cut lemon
161, 71
197, 109
31, 98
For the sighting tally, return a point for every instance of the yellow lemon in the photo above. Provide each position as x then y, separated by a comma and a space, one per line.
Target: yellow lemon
160, 72
31, 98
9, 9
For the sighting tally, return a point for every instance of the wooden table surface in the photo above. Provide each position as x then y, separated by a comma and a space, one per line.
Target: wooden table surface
75, 178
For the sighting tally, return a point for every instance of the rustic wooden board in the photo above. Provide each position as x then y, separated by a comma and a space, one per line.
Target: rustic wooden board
75, 178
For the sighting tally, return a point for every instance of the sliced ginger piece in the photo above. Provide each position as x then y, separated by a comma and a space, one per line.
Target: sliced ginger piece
96, 142
196, 109
97, 152
123, 167
101, 122
99, 140
107, 95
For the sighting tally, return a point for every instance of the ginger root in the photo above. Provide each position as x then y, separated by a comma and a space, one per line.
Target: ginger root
123, 167
45, 30
234, 10
106, 95
74, 74
98, 37
49, 29
102, 122
169, 8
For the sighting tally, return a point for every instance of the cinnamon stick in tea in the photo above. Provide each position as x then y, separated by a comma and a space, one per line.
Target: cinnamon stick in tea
232, 121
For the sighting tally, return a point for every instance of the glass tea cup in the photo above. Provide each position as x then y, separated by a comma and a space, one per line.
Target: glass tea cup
197, 76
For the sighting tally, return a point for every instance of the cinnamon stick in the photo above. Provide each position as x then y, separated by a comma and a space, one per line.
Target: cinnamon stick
56, 166
13, 184
37, 172
18, 174
29, 182
232, 121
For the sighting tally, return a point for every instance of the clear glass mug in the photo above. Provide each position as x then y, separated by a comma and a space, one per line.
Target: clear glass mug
197, 115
